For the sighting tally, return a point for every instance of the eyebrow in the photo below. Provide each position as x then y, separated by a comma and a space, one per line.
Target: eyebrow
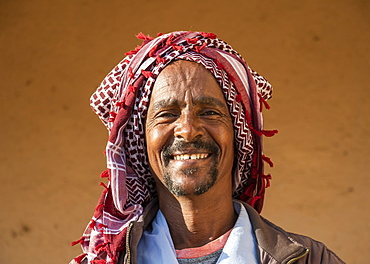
204, 100
165, 103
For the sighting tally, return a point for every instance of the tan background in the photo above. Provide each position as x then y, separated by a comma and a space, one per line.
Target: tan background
55, 53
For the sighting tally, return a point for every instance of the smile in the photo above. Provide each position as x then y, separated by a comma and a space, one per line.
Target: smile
190, 156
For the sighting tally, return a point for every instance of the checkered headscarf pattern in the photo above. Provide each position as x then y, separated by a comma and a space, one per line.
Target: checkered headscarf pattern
121, 102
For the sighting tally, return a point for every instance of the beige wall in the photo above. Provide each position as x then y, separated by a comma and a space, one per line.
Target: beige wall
55, 53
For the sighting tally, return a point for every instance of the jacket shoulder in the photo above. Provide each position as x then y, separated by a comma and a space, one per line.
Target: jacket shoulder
279, 246
318, 252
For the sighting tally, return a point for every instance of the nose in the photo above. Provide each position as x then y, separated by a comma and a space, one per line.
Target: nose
188, 127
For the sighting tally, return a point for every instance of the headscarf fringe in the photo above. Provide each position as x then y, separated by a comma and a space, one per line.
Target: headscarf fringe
267, 160
105, 174
79, 258
79, 241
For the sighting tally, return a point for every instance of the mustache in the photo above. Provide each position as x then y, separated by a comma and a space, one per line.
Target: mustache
180, 145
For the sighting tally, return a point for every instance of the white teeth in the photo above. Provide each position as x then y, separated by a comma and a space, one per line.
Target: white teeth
190, 156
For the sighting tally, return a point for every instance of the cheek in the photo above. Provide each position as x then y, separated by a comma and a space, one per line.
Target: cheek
155, 141
228, 140
224, 136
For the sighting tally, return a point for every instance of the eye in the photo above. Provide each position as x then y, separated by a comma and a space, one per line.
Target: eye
210, 113
166, 114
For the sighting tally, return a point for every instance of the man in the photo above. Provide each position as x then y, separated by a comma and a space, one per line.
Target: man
185, 162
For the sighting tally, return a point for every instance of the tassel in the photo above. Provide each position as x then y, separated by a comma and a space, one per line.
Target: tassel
103, 184
137, 48
99, 261
159, 34
178, 48
80, 241
263, 102
266, 133
208, 35
112, 116
143, 37
131, 52
119, 104
104, 174
100, 247
99, 208
160, 60
130, 73
169, 40
256, 132
249, 122
92, 224
267, 178
267, 160
269, 133
152, 51
191, 40
238, 98
134, 51
198, 49
80, 258
131, 88
146, 74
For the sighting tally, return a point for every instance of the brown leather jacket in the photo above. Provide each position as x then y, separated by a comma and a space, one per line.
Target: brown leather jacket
276, 246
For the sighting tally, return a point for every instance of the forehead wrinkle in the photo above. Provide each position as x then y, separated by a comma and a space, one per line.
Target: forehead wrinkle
181, 73
204, 100
171, 75
165, 103
207, 100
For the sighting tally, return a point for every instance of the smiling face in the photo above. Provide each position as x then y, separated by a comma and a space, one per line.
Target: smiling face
189, 131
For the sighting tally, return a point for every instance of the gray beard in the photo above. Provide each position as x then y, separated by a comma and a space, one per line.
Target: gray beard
203, 187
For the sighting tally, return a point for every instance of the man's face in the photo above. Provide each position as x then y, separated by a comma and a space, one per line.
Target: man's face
189, 132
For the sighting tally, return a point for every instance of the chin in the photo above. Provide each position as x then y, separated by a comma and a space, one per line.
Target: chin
191, 188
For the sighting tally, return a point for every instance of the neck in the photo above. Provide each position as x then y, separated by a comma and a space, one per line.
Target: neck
196, 220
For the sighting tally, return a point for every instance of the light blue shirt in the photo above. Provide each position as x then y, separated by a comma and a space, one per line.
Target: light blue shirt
156, 244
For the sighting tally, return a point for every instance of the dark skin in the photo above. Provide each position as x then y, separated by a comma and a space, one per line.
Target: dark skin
186, 106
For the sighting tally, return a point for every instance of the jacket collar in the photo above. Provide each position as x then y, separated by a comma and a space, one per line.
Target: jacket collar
273, 240
274, 243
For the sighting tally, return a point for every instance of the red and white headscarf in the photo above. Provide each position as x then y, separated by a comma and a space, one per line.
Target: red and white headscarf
121, 102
